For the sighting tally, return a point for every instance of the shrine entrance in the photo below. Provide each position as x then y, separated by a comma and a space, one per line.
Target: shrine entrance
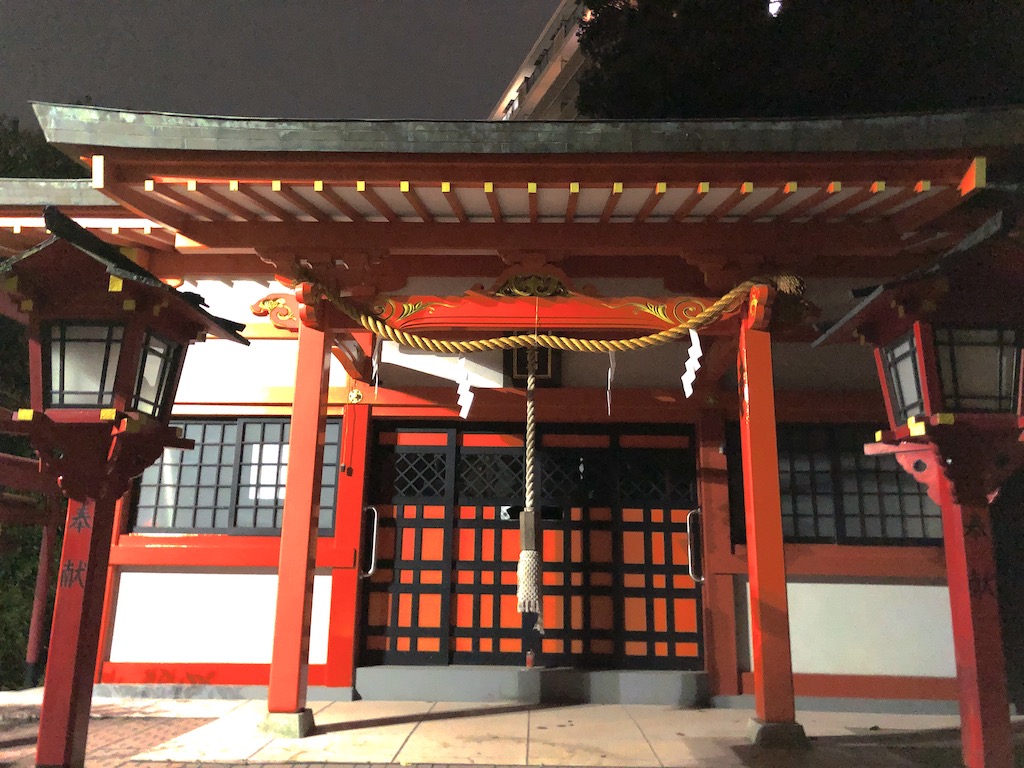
618, 591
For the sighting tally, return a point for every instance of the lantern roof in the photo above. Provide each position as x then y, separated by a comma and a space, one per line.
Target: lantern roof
66, 232
978, 280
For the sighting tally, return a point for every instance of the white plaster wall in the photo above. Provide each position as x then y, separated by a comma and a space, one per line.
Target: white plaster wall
203, 617
232, 299
866, 629
218, 371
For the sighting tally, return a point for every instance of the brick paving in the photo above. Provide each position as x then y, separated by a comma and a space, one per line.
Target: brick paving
112, 741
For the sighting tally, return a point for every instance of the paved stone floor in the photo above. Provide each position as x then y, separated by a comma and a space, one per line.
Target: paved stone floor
132, 733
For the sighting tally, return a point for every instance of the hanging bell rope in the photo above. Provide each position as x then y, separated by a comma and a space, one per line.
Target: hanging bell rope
730, 302
528, 572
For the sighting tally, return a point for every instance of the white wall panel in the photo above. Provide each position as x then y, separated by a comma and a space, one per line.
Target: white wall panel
201, 617
868, 629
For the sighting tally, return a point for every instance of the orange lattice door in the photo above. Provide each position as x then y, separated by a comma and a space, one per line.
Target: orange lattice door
408, 600
486, 628
617, 592
661, 611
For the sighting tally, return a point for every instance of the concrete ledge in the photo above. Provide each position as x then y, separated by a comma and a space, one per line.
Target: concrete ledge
532, 686
777, 735
168, 691
838, 704
291, 725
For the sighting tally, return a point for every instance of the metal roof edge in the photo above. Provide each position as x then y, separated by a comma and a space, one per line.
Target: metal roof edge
961, 130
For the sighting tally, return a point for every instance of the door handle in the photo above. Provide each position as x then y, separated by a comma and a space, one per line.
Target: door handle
373, 544
692, 541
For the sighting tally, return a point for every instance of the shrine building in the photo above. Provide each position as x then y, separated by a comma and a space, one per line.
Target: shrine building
480, 230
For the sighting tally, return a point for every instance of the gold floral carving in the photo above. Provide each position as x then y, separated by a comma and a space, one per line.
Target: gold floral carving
281, 308
530, 286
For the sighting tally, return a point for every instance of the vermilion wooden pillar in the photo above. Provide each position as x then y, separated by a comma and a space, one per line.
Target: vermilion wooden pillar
343, 638
955, 465
289, 665
34, 647
75, 634
986, 739
769, 607
719, 587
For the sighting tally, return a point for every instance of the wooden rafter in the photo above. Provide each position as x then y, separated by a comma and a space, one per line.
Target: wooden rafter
194, 207
225, 202
850, 202
452, 196
135, 237
653, 198
493, 202
930, 209
409, 192
724, 208
370, 195
293, 197
572, 202
812, 201
146, 206
340, 204
613, 200
691, 202
772, 201
905, 194
269, 206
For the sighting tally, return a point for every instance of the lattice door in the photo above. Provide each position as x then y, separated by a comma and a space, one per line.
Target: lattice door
617, 593
408, 600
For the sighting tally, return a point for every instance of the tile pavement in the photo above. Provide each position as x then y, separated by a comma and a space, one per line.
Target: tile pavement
165, 734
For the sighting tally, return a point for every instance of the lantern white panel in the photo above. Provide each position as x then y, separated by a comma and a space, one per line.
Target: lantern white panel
178, 617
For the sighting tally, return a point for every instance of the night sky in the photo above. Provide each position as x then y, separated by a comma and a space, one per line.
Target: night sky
440, 59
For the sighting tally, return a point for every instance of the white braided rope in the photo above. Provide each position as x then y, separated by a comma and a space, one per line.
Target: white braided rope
528, 599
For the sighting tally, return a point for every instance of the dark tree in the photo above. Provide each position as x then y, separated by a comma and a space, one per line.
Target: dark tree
23, 153
731, 58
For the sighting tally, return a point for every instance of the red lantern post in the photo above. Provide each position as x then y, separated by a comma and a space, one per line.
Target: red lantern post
107, 341
948, 346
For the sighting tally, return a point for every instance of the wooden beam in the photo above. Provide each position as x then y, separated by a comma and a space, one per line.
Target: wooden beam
531, 194
633, 169
692, 201
168, 192
668, 238
293, 197
225, 202
859, 197
452, 196
774, 199
726, 206
809, 203
492, 201
917, 216
415, 201
651, 202
134, 237
269, 206
908, 192
371, 196
613, 200
572, 202
343, 206
146, 206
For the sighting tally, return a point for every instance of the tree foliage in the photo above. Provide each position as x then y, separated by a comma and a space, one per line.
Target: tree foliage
732, 58
23, 153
